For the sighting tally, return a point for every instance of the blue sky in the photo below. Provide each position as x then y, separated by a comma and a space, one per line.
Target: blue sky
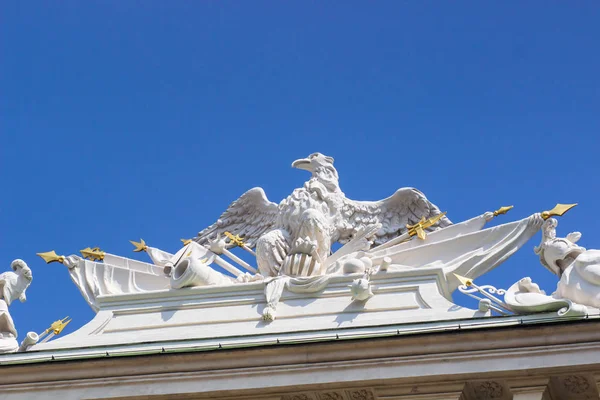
123, 119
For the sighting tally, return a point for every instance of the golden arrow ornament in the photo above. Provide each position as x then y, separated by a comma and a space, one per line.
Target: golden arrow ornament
51, 256
464, 280
57, 326
94, 254
558, 210
502, 210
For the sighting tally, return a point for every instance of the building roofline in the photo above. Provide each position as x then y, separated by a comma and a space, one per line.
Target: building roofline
288, 339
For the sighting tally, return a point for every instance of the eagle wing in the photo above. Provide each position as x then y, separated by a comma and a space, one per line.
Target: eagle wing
405, 207
250, 216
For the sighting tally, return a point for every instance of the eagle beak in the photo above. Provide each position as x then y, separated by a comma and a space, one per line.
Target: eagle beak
303, 163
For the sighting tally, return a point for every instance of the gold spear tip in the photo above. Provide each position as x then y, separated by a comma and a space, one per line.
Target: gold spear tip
51, 256
433, 220
186, 241
94, 254
558, 210
139, 246
502, 210
464, 280
58, 326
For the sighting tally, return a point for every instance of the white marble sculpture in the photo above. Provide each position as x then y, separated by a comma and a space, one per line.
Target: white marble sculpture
12, 287
577, 268
523, 297
401, 239
361, 289
295, 236
578, 271
526, 297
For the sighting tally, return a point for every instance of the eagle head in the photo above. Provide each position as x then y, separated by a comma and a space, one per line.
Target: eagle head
322, 169
314, 163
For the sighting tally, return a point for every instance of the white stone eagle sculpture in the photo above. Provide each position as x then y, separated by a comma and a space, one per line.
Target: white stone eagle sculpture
295, 236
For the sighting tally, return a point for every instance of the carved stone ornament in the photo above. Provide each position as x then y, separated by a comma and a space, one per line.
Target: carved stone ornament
577, 267
299, 396
294, 237
576, 384
404, 238
331, 396
348, 394
361, 394
525, 297
488, 390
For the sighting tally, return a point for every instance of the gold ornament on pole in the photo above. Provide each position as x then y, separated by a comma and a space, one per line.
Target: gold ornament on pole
238, 241
418, 229
51, 256
94, 254
55, 329
464, 280
139, 246
57, 326
558, 210
502, 210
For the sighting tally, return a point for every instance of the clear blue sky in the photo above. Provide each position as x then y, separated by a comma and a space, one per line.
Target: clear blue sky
123, 119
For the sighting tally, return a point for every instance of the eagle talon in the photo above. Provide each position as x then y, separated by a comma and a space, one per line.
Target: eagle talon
304, 246
217, 245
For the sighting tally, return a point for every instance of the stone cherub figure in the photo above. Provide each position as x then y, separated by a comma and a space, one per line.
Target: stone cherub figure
577, 268
12, 286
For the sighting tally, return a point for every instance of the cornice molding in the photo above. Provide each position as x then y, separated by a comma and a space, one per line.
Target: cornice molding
443, 359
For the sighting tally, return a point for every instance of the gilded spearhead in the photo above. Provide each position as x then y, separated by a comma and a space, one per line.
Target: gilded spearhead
94, 254
51, 256
464, 280
139, 246
558, 210
186, 241
57, 326
502, 210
